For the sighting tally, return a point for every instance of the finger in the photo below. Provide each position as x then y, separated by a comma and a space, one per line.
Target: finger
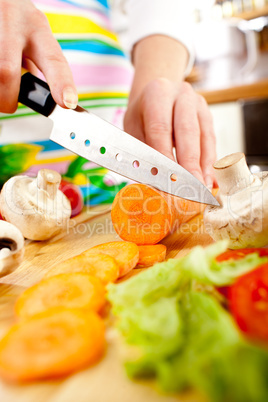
158, 116
208, 141
187, 132
132, 121
10, 73
30, 66
45, 52
11, 45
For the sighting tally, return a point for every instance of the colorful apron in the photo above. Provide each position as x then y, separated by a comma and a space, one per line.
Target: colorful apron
102, 74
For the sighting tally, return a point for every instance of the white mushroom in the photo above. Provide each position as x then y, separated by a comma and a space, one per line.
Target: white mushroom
243, 215
11, 247
35, 205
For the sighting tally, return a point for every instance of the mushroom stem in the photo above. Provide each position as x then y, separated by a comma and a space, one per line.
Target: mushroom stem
232, 173
49, 181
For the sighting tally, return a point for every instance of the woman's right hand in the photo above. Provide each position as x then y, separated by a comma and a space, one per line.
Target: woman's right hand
26, 39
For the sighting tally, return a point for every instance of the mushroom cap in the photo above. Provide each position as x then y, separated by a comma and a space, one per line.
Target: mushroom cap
31, 209
11, 247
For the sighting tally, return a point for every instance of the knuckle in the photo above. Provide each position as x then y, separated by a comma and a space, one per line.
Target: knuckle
159, 128
160, 85
56, 58
192, 160
190, 128
186, 88
209, 136
201, 101
39, 18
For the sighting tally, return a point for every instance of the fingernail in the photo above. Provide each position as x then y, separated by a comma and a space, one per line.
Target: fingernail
209, 182
70, 98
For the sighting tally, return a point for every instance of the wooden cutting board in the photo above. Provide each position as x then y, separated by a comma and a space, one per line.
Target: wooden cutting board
106, 381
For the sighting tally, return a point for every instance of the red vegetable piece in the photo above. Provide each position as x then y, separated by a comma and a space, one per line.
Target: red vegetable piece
74, 195
249, 303
223, 290
236, 255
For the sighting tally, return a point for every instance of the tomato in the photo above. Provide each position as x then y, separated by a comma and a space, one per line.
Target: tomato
1, 218
223, 290
236, 255
74, 195
249, 303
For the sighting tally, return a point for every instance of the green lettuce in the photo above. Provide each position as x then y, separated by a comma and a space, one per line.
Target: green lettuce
202, 265
184, 338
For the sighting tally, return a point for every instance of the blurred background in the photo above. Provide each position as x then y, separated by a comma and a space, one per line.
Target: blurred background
231, 72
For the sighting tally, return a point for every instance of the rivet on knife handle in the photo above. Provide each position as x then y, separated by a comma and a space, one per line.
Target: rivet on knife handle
36, 94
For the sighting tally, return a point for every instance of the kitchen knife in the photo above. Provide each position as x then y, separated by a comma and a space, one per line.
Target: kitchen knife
95, 139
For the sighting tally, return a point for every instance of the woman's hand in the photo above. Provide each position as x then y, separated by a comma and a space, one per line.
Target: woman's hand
166, 112
26, 38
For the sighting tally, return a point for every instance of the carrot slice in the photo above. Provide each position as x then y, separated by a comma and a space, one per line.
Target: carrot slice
74, 290
144, 215
126, 254
150, 254
101, 266
51, 344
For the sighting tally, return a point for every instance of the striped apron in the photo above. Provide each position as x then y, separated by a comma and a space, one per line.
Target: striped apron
102, 73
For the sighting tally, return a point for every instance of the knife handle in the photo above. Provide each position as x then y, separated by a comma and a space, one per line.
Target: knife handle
36, 94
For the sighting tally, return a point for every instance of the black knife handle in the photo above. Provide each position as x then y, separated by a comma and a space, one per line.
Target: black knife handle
36, 94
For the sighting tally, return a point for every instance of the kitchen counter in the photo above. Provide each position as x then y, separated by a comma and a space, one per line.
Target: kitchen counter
220, 82
258, 89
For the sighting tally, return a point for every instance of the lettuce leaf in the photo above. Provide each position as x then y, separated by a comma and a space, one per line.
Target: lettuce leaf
164, 278
185, 339
203, 267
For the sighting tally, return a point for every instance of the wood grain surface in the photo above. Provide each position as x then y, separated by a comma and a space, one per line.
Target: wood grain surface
106, 381
255, 90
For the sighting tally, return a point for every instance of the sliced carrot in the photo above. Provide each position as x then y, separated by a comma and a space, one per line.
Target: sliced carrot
150, 254
74, 290
51, 344
101, 266
126, 254
144, 215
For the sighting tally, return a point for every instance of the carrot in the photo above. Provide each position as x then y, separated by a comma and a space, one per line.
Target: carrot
74, 290
101, 266
144, 215
126, 254
150, 254
51, 344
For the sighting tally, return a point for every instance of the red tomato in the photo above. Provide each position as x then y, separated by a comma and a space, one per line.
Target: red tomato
223, 290
74, 195
236, 255
249, 303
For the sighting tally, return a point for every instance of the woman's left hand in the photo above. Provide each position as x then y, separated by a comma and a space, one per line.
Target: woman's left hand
167, 115
165, 112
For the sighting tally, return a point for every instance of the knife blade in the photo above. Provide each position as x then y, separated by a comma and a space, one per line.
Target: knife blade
93, 138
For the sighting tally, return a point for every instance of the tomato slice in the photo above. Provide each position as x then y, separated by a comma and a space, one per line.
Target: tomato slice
237, 254
249, 303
